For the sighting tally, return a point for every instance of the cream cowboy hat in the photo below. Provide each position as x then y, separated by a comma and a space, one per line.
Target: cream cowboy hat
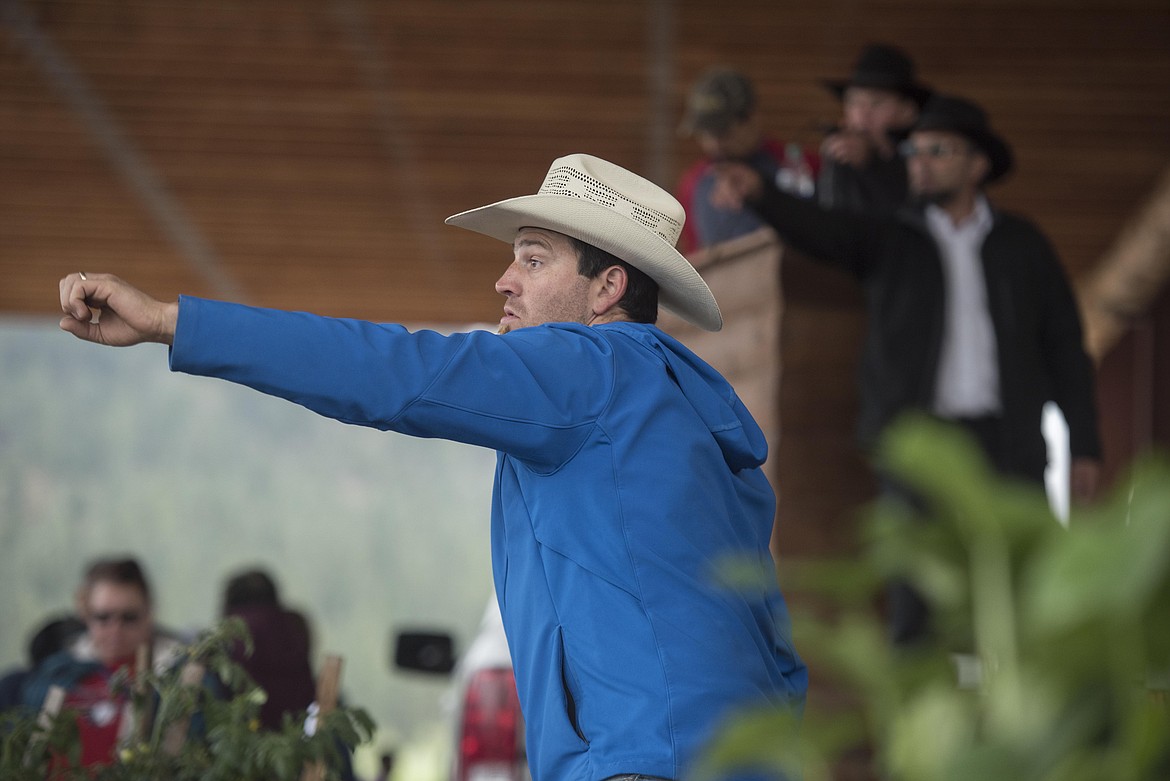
613, 209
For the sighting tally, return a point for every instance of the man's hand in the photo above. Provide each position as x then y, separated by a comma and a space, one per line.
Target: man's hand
102, 308
734, 184
849, 147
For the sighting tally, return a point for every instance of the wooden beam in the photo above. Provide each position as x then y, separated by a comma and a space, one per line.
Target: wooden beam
1130, 275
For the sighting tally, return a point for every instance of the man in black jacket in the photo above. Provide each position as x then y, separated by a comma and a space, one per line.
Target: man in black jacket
971, 316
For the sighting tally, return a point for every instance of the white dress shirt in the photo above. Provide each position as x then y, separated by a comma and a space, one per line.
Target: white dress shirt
968, 370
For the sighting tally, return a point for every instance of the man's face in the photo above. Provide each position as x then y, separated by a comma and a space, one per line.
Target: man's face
737, 142
118, 619
542, 284
876, 112
942, 166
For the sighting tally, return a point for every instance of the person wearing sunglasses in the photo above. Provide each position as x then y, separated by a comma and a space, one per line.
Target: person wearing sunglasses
971, 317
114, 602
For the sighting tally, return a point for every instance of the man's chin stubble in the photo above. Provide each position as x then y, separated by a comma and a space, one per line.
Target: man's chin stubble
940, 199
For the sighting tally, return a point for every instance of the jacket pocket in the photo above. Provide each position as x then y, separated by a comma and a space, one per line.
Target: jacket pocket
568, 684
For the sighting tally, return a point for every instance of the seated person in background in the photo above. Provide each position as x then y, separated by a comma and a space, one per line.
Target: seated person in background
279, 663
861, 170
54, 635
281, 650
114, 602
721, 115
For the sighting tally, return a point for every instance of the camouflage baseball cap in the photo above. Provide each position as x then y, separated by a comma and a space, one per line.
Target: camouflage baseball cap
719, 98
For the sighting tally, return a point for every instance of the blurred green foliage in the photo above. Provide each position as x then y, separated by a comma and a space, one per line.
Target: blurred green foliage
220, 719
1050, 650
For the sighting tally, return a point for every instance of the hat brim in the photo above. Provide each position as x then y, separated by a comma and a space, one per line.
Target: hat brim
680, 288
918, 93
997, 150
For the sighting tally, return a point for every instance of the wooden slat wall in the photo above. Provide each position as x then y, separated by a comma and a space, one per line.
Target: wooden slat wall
315, 146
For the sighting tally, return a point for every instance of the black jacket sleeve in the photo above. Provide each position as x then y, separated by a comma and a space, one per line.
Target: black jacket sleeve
1063, 348
836, 238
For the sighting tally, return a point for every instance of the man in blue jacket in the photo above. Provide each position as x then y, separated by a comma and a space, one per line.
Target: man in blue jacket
628, 471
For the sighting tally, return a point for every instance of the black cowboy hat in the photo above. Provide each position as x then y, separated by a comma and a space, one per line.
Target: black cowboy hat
957, 115
881, 66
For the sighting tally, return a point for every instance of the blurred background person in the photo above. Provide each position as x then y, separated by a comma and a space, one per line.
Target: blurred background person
54, 635
280, 662
861, 170
722, 116
115, 604
971, 316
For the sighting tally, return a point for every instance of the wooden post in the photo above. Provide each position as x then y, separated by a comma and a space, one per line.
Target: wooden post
176, 734
329, 684
1130, 275
143, 664
328, 687
54, 699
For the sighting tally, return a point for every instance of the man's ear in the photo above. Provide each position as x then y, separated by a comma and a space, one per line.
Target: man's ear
608, 288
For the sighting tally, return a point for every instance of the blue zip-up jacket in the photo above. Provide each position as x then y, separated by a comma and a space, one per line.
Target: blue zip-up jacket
628, 476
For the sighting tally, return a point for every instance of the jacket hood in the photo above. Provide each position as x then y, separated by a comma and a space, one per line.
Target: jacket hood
717, 404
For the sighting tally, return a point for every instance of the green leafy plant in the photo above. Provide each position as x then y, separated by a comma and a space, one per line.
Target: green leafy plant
1050, 650
201, 727
25, 742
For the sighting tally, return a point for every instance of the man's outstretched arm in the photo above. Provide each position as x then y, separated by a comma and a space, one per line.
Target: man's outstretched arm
102, 308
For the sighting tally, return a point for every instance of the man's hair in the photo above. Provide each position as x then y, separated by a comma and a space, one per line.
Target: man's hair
252, 587
123, 571
640, 301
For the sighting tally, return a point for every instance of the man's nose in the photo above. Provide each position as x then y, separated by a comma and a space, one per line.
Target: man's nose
867, 118
505, 285
917, 171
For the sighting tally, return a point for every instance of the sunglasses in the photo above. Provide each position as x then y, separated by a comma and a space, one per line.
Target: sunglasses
127, 617
936, 151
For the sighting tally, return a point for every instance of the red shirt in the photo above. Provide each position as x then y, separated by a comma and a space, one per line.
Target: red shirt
99, 716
